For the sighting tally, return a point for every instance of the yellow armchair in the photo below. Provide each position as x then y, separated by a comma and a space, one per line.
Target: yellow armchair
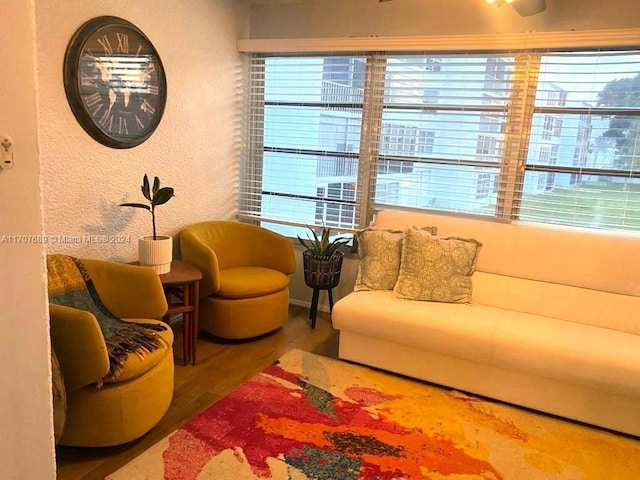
103, 411
244, 291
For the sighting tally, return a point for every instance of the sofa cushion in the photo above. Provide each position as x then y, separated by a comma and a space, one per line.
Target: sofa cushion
380, 250
245, 282
436, 269
454, 329
599, 358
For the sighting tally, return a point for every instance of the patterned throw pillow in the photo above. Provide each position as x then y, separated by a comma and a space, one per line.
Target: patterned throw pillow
436, 269
379, 251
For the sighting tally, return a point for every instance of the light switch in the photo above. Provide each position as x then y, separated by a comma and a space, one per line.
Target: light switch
6, 152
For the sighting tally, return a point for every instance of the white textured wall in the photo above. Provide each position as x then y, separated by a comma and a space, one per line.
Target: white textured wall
26, 438
82, 181
364, 18
192, 150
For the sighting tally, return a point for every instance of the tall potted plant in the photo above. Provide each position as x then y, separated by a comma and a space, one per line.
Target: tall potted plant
322, 259
155, 250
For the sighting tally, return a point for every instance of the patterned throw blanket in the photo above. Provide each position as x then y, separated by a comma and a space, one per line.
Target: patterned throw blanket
70, 285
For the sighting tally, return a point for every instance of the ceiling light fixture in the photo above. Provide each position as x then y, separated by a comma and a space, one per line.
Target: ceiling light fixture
499, 2
525, 8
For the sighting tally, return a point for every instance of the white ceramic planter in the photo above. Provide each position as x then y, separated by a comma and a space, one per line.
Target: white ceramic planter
156, 254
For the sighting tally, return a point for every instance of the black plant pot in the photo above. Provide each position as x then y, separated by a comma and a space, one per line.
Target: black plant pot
322, 272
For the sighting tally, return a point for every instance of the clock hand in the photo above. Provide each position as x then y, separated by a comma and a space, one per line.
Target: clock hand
112, 98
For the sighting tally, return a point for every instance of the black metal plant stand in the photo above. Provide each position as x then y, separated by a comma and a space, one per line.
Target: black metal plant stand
321, 273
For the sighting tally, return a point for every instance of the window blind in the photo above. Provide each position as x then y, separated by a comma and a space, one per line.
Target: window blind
583, 157
540, 136
442, 131
304, 129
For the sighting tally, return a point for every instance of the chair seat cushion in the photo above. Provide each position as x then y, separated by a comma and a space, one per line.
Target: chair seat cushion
135, 365
246, 282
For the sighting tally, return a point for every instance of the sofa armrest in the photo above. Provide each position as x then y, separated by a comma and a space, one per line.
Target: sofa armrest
79, 345
128, 291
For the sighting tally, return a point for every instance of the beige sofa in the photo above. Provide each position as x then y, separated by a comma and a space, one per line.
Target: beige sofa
554, 322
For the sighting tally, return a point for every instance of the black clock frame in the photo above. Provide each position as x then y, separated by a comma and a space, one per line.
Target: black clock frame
72, 82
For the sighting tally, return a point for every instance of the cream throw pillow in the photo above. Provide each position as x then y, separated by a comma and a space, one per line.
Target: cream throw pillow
436, 269
379, 251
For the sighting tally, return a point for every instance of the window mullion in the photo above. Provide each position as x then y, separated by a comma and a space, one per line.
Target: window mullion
369, 135
517, 134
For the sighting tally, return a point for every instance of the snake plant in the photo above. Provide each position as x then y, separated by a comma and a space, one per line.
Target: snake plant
322, 246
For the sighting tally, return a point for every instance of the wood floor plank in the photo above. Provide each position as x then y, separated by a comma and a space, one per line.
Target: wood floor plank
221, 366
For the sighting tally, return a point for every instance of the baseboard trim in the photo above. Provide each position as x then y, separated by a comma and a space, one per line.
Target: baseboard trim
303, 303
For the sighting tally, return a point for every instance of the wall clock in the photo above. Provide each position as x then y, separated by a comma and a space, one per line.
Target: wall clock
115, 82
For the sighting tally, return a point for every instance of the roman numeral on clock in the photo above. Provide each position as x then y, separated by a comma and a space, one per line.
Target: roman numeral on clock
105, 44
87, 80
106, 120
92, 99
139, 123
123, 42
123, 129
147, 108
94, 103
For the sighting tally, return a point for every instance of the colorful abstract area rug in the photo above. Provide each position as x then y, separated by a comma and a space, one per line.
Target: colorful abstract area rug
310, 417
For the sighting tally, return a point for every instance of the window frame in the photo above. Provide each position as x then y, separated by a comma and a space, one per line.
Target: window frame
518, 127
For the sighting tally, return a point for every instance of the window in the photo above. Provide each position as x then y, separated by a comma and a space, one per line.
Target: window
487, 146
484, 185
589, 169
304, 133
426, 140
541, 136
348, 72
340, 213
398, 139
555, 97
388, 191
498, 73
338, 134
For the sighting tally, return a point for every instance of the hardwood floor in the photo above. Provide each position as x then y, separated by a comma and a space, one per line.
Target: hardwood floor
220, 367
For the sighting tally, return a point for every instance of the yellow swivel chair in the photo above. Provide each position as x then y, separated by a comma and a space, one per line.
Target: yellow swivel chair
104, 411
244, 291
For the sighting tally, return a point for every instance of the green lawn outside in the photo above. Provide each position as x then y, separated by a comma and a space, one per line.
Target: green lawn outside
597, 204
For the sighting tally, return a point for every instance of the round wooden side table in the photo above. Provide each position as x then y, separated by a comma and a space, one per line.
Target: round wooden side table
183, 283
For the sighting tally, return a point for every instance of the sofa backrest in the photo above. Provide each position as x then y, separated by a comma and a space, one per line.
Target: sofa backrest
579, 275
565, 302
591, 259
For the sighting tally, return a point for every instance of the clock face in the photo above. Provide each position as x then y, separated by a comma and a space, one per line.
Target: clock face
115, 82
